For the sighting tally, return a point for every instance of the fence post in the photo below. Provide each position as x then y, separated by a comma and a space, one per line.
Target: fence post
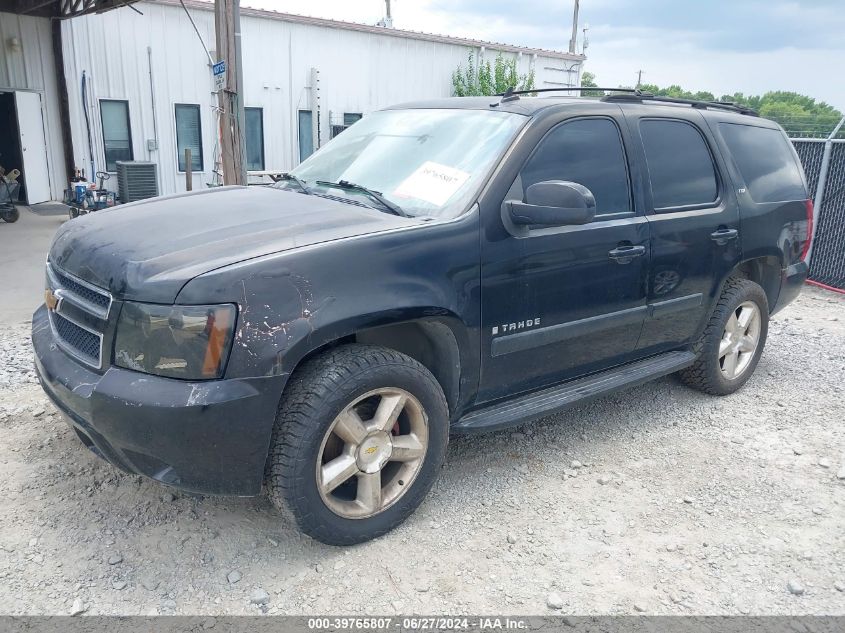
820, 187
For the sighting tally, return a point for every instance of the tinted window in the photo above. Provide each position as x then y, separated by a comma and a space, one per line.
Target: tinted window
189, 135
679, 164
254, 124
765, 160
586, 151
117, 139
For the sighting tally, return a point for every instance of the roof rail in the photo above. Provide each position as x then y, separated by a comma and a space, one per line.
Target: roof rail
512, 95
703, 105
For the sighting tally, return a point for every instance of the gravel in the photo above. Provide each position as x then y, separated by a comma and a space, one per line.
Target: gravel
233, 576
610, 535
259, 596
554, 601
795, 588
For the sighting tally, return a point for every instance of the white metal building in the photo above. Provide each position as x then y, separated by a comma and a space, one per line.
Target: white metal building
149, 90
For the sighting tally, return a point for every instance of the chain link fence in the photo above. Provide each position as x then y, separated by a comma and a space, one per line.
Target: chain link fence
827, 257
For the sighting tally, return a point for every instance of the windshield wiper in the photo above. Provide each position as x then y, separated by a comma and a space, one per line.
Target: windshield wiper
389, 206
289, 177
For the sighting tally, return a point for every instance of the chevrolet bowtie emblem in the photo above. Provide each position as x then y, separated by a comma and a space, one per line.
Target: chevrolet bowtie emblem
51, 299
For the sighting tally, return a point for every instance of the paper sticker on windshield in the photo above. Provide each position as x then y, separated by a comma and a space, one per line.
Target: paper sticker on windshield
433, 183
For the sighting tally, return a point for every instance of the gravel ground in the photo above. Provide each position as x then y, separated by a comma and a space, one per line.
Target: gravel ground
659, 500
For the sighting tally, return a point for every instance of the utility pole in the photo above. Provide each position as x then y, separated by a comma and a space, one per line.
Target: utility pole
574, 29
387, 20
227, 24
639, 78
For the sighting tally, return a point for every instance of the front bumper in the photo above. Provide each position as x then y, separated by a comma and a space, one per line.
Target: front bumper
791, 283
209, 437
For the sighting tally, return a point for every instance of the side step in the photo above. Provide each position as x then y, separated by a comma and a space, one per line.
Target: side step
553, 399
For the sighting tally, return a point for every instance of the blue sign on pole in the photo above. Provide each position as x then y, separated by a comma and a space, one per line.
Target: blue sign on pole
219, 70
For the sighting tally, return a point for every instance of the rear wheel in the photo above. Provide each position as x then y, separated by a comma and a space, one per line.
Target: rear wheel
733, 341
360, 436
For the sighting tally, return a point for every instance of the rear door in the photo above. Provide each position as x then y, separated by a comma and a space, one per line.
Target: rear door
693, 217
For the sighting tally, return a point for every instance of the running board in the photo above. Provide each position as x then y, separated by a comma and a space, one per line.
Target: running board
554, 399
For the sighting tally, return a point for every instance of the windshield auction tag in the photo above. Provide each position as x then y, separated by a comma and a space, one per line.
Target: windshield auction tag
433, 183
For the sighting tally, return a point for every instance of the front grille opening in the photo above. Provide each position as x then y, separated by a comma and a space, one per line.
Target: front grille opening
91, 296
80, 340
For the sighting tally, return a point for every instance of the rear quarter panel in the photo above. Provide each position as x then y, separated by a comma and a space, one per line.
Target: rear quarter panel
776, 230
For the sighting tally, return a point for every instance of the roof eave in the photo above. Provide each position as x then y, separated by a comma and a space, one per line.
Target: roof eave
380, 30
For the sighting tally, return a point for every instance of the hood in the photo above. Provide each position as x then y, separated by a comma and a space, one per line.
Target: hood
148, 250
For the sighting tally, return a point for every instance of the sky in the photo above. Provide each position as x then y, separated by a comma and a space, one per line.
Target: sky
723, 46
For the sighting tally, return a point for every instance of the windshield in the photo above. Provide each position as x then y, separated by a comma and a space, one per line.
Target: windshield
426, 162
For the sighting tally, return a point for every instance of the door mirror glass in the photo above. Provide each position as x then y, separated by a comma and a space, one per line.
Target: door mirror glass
553, 203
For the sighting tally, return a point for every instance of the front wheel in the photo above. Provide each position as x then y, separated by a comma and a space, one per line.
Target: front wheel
360, 436
733, 341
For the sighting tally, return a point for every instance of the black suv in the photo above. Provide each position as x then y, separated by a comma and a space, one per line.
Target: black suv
453, 266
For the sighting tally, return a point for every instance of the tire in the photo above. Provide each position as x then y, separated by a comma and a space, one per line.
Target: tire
358, 381
12, 215
711, 371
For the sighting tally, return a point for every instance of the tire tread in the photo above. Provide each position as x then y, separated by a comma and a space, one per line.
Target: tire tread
309, 386
701, 374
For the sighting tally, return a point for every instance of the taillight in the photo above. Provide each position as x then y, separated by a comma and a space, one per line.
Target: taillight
809, 205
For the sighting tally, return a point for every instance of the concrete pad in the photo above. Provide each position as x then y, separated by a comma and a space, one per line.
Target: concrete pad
23, 251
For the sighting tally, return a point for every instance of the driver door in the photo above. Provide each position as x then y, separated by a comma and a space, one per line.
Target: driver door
562, 301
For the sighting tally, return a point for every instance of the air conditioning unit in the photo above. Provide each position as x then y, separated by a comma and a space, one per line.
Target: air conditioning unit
136, 180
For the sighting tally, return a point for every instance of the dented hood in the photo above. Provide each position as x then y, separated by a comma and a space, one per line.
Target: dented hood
148, 250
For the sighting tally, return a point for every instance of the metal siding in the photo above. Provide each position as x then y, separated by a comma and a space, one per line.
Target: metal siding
359, 72
32, 68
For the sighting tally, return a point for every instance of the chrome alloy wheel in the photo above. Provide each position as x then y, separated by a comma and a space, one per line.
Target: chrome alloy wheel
740, 340
372, 453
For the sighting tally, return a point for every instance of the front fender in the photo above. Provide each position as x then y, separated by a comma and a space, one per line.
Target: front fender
294, 302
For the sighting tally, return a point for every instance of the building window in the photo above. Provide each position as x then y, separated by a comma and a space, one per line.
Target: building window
306, 134
679, 164
189, 135
350, 117
117, 136
254, 124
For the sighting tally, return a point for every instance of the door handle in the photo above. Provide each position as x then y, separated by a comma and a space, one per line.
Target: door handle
723, 236
624, 254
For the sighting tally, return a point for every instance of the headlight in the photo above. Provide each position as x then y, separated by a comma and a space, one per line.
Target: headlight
189, 342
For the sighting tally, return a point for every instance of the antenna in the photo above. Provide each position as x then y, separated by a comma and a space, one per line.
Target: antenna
387, 20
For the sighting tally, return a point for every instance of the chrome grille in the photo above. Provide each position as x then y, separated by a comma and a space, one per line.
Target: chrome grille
96, 297
79, 316
84, 342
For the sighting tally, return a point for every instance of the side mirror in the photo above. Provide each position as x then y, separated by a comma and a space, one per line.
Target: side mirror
553, 203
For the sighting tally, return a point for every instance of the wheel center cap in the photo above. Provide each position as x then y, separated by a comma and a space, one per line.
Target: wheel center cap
374, 452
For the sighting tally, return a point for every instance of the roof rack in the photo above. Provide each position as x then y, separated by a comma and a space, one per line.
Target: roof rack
512, 95
719, 105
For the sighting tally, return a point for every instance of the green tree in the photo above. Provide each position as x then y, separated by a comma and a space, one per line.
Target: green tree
489, 79
800, 115
588, 80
